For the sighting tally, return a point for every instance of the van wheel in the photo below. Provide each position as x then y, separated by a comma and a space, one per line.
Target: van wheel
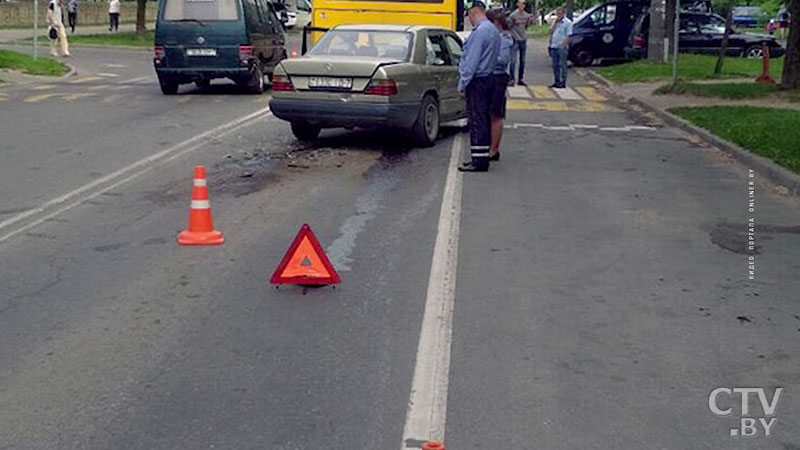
168, 86
203, 84
426, 128
304, 131
582, 56
256, 83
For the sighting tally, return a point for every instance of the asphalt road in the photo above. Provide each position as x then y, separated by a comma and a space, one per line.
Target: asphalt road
599, 280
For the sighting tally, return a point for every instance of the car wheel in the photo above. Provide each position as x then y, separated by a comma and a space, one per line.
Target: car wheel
304, 131
203, 84
582, 56
426, 128
754, 51
253, 83
168, 86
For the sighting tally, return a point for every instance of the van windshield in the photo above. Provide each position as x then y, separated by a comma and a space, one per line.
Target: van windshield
200, 10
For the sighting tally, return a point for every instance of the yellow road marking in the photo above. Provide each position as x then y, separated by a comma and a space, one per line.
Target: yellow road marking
590, 93
40, 97
523, 105
85, 80
44, 87
542, 92
100, 87
184, 99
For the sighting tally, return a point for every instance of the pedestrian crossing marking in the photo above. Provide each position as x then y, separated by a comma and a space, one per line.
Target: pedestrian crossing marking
567, 93
590, 93
70, 97
44, 87
558, 106
542, 92
576, 127
85, 80
112, 98
107, 74
185, 99
135, 80
100, 87
38, 98
518, 92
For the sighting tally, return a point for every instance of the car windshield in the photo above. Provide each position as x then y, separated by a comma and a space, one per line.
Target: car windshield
366, 44
200, 10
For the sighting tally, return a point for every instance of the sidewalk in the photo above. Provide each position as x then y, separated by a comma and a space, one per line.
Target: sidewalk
13, 35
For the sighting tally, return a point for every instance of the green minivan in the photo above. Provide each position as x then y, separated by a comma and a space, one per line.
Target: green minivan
199, 40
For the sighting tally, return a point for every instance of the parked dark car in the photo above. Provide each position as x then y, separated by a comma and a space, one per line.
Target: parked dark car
703, 33
602, 31
197, 41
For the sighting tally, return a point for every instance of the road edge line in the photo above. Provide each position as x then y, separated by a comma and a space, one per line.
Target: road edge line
427, 403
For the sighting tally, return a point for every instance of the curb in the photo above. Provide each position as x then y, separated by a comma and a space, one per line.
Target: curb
773, 172
73, 71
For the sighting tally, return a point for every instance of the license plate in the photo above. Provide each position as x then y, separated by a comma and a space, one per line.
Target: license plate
330, 82
201, 52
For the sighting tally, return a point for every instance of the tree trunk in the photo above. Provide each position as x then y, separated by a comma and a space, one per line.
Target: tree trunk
723, 49
791, 64
669, 23
141, 27
655, 41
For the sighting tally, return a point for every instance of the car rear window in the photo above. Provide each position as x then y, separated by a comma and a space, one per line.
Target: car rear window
364, 44
200, 10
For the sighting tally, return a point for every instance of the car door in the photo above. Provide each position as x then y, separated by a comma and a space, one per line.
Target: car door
691, 40
456, 103
437, 68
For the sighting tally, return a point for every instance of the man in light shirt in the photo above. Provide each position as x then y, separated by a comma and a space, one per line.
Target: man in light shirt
559, 48
113, 15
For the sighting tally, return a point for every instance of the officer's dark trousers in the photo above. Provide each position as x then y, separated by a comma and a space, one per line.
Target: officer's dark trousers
479, 92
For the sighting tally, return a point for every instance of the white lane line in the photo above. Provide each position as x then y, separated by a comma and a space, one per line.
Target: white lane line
615, 129
107, 74
518, 92
567, 93
588, 127
427, 404
112, 65
130, 172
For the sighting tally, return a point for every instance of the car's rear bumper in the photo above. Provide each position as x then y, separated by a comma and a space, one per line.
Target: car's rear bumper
776, 52
331, 114
198, 73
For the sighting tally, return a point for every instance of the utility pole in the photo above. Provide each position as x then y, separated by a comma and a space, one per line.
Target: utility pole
655, 42
35, 29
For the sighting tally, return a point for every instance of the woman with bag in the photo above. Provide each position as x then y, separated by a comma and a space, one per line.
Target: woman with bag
57, 33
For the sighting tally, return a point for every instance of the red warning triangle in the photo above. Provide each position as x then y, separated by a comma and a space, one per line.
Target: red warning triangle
305, 262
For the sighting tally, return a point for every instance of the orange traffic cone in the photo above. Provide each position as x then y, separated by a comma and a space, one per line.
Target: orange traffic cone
433, 445
201, 227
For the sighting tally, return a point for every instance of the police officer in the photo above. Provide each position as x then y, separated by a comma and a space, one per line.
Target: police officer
476, 82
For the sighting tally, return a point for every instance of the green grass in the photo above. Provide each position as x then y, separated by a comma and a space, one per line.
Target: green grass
690, 67
126, 38
26, 64
538, 31
773, 133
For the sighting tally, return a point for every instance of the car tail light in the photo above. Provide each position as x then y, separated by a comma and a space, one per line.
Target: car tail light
245, 53
158, 53
281, 83
381, 87
638, 41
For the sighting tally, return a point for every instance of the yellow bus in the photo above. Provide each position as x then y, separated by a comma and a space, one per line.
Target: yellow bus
327, 14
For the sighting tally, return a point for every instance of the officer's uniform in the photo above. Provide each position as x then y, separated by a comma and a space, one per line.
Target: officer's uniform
475, 80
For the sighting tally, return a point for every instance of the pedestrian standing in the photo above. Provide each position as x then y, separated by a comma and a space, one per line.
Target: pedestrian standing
501, 76
559, 48
113, 15
783, 20
475, 82
58, 34
72, 14
520, 21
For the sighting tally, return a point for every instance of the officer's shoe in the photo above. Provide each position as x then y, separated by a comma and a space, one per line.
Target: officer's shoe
469, 167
